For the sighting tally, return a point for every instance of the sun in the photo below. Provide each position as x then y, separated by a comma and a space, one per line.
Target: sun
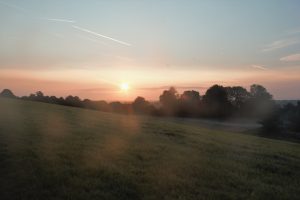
124, 87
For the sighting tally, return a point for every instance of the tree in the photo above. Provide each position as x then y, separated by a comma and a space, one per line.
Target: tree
216, 103
141, 106
191, 96
189, 104
102, 105
272, 123
169, 101
53, 100
73, 101
294, 118
7, 93
88, 104
259, 92
117, 106
237, 96
96, 105
260, 103
39, 96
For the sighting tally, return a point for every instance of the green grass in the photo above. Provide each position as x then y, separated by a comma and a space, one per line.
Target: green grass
56, 152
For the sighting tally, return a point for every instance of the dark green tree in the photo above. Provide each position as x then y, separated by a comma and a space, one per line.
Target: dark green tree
260, 103
7, 93
216, 103
237, 96
189, 104
169, 101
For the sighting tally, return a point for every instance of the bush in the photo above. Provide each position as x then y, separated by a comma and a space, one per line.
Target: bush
272, 124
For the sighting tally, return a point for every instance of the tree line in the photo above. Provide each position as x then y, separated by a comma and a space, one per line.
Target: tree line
218, 102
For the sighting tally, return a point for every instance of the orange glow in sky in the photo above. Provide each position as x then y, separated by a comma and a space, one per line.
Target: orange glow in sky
109, 85
89, 49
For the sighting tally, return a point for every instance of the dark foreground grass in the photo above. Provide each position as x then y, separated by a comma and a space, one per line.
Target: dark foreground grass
56, 152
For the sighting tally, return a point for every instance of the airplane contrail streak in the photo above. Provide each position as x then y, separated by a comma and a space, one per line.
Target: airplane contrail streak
103, 36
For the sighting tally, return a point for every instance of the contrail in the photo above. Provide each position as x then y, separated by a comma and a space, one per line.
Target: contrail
103, 36
92, 40
59, 20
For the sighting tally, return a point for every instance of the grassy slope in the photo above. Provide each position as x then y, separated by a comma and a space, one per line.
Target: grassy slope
49, 151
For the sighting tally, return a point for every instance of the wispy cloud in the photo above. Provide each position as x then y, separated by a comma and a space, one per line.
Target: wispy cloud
281, 44
59, 20
100, 35
261, 67
291, 58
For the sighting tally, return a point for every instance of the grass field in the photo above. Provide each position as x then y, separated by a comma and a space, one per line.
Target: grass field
56, 152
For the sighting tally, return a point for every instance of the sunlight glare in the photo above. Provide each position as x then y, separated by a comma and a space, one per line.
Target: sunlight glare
124, 87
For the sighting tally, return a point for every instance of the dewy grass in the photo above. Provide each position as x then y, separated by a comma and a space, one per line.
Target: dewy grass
56, 152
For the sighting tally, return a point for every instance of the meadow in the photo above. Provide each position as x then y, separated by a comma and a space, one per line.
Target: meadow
56, 152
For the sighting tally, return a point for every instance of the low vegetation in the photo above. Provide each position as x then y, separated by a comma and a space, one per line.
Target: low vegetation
56, 152
218, 103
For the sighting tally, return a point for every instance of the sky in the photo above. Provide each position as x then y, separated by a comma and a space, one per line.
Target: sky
91, 47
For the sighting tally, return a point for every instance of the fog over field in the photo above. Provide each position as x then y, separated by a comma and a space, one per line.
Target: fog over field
56, 152
149, 100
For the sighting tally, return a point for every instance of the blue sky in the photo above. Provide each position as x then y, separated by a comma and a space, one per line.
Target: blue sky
254, 39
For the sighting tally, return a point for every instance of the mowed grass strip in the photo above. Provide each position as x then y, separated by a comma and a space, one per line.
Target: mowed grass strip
56, 152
